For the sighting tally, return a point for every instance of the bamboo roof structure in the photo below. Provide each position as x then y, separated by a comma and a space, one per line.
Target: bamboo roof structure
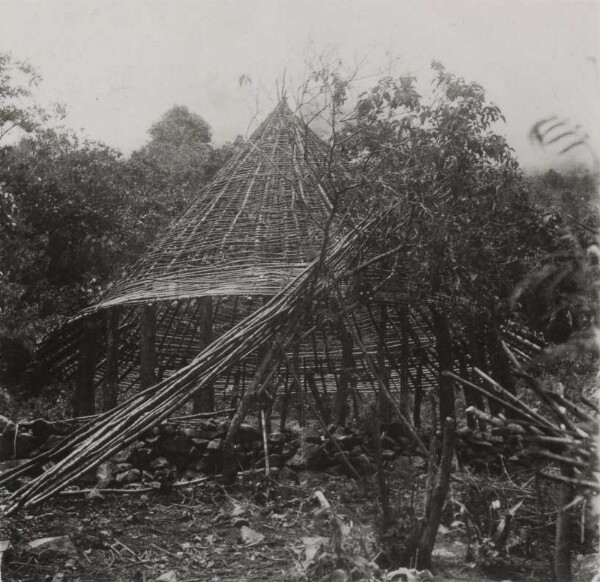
256, 227
250, 231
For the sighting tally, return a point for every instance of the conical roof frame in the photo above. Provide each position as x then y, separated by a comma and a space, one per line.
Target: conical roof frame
253, 228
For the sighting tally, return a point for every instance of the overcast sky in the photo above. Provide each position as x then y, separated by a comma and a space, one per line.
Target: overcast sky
118, 65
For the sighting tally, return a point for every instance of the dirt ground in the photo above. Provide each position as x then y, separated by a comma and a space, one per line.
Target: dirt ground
258, 529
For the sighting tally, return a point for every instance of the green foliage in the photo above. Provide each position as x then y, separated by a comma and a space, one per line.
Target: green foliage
67, 236
16, 82
459, 203
165, 174
74, 213
560, 296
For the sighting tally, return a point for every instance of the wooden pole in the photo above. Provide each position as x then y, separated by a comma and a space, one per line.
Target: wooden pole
312, 384
500, 367
344, 386
418, 390
85, 401
404, 388
285, 402
147, 346
111, 377
477, 350
385, 408
470, 396
562, 545
204, 401
299, 387
384, 497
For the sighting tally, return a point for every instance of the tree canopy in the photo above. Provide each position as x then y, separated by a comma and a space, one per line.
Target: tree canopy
74, 212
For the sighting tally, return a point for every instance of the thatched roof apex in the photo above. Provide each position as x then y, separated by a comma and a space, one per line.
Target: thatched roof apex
250, 231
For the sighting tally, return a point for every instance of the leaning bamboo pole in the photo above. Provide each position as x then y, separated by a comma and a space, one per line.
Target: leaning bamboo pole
108, 433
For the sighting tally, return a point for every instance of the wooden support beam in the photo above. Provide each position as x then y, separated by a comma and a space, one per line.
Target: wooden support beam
147, 346
110, 390
204, 401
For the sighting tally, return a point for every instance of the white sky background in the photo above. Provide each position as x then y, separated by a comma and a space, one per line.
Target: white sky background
118, 65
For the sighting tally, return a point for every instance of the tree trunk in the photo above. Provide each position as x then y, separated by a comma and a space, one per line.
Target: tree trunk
420, 544
445, 360
204, 401
148, 346
435, 504
110, 393
85, 401
385, 408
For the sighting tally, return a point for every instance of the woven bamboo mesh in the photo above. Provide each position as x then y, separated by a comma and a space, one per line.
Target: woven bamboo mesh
251, 231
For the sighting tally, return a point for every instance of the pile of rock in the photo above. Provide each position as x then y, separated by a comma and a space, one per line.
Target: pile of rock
177, 451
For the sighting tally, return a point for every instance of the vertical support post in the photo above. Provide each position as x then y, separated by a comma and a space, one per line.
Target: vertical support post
85, 399
418, 390
111, 376
344, 386
285, 402
299, 387
204, 401
469, 394
312, 384
148, 346
404, 388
